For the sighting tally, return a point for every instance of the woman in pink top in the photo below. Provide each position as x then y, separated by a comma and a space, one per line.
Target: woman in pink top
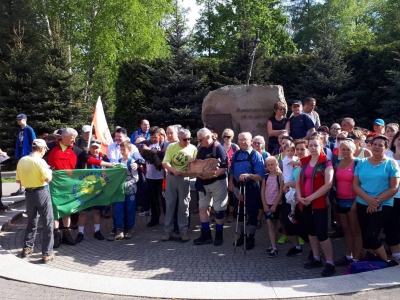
346, 204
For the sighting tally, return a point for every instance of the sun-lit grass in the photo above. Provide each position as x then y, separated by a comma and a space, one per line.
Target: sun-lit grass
7, 179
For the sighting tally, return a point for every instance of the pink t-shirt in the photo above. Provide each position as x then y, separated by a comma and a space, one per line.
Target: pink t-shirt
307, 178
344, 183
230, 154
271, 190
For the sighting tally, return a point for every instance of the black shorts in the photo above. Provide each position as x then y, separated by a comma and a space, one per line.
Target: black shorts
276, 214
343, 206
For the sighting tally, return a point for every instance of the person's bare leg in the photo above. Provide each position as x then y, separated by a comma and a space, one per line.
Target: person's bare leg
327, 249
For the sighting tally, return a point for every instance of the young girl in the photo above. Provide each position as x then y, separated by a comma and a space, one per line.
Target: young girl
289, 163
271, 194
125, 212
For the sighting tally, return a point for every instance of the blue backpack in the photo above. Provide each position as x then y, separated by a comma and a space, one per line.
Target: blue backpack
365, 266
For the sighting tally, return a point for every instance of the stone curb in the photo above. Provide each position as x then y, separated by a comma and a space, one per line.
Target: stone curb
12, 267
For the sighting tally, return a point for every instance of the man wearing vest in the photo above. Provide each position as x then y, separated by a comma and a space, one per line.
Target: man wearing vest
176, 160
247, 168
212, 189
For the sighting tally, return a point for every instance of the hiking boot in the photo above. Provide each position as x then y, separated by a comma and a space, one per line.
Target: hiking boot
97, 235
329, 270
117, 236
344, 261
294, 252
171, 235
57, 238
283, 239
129, 234
205, 238
67, 238
250, 243
185, 237
312, 264
240, 241
219, 238
18, 193
26, 251
79, 238
47, 258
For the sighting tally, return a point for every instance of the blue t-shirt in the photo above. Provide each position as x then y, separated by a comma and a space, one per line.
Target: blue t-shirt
243, 166
374, 179
300, 125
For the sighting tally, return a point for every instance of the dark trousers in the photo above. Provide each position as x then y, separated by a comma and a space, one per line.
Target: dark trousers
154, 198
392, 227
253, 195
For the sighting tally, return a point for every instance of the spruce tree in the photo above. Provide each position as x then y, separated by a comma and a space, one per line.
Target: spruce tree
390, 109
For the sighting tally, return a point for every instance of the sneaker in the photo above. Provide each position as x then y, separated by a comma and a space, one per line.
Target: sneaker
18, 193
259, 224
47, 258
128, 234
292, 218
329, 270
230, 218
301, 241
312, 264
294, 252
26, 251
79, 238
273, 253
269, 249
67, 238
98, 236
171, 235
57, 238
344, 261
185, 237
205, 238
117, 236
283, 239
145, 213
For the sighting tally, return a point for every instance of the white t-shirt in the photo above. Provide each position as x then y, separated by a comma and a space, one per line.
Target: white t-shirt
288, 169
151, 171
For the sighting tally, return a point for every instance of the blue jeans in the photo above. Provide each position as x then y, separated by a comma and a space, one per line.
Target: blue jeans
125, 213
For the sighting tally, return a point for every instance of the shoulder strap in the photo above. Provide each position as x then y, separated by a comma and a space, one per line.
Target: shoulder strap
250, 159
214, 151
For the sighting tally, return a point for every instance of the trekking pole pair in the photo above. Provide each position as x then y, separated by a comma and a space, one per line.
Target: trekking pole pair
242, 187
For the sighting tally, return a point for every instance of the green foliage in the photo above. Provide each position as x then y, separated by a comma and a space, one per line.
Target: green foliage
390, 109
388, 25
218, 29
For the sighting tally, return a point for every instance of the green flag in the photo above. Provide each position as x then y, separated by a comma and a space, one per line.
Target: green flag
75, 190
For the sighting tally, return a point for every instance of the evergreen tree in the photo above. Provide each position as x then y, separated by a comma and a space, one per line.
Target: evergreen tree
327, 79
390, 109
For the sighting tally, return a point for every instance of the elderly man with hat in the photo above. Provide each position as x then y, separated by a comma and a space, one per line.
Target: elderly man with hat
34, 174
83, 141
94, 151
23, 147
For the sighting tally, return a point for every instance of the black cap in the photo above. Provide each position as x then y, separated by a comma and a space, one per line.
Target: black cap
297, 102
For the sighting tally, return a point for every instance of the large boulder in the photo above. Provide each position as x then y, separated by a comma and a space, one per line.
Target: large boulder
242, 108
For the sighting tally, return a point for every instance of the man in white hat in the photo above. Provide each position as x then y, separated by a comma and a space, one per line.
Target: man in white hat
83, 141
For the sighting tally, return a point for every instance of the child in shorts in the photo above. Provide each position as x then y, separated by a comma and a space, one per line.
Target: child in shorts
271, 195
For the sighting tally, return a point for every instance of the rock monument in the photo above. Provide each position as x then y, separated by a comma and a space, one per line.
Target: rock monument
242, 108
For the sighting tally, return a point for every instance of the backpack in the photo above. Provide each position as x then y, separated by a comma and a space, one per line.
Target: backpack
249, 158
365, 266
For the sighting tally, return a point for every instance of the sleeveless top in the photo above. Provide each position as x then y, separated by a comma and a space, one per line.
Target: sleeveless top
361, 155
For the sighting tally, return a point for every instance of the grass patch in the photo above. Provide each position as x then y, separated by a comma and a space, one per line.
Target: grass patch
7, 179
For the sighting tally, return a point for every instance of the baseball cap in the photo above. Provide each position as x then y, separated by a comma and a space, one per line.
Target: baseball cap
95, 143
21, 116
39, 143
323, 129
297, 102
58, 132
380, 122
86, 128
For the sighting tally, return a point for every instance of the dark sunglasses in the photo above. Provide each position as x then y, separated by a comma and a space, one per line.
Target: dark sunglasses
282, 109
368, 141
334, 128
257, 143
187, 139
227, 137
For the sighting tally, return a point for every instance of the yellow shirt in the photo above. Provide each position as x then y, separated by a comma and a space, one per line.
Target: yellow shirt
32, 171
178, 157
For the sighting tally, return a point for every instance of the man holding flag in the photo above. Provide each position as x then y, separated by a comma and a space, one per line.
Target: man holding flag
63, 155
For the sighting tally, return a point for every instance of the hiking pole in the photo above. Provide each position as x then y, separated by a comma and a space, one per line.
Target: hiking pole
244, 217
237, 217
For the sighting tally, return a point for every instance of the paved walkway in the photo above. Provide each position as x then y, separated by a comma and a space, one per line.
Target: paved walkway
146, 256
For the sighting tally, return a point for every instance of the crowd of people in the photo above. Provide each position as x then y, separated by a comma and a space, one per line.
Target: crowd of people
308, 168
